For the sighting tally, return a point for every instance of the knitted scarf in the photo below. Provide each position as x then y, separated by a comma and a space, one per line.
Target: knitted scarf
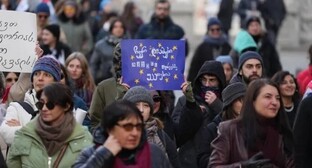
152, 136
142, 159
54, 137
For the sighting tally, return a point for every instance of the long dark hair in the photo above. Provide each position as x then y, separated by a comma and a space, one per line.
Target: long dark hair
278, 78
249, 117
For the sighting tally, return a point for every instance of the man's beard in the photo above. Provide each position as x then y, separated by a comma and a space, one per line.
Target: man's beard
247, 80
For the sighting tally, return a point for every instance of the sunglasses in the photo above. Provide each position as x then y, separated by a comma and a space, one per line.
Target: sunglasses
216, 29
11, 79
129, 127
156, 99
49, 105
43, 16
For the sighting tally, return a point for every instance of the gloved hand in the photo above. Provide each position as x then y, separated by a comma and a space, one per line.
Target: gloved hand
256, 161
188, 91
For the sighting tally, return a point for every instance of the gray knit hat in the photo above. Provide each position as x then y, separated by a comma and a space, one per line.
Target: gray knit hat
232, 92
139, 94
248, 55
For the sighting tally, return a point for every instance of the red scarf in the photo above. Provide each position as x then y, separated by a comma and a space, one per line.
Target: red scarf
142, 159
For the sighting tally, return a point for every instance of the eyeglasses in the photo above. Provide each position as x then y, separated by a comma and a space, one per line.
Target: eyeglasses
43, 16
216, 29
156, 99
129, 127
11, 79
48, 104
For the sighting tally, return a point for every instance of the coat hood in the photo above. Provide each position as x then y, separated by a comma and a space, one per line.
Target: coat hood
211, 68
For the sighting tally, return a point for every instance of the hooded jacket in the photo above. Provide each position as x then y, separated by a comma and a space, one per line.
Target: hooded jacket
190, 117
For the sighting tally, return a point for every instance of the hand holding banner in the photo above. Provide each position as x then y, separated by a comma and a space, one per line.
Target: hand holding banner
155, 64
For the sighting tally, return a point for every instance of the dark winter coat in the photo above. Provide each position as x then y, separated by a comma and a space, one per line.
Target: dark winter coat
207, 50
98, 156
169, 125
303, 134
270, 56
157, 30
229, 149
190, 117
225, 14
208, 134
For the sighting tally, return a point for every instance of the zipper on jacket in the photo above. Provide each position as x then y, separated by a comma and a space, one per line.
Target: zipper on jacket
49, 162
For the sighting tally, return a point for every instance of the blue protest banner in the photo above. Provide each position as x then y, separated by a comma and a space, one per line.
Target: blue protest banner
154, 64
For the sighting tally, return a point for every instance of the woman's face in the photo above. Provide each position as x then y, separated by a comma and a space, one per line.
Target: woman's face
69, 11
157, 100
47, 37
10, 79
214, 31
237, 106
267, 102
128, 132
41, 79
50, 115
74, 69
144, 109
287, 86
118, 30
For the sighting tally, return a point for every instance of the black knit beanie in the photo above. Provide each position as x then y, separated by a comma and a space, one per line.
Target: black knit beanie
232, 92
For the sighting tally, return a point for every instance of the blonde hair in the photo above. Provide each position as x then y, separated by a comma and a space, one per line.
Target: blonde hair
87, 78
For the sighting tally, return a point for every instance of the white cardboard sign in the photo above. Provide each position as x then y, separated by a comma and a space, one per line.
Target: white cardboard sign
18, 36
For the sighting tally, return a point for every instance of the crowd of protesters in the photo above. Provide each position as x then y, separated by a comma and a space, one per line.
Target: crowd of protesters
240, 107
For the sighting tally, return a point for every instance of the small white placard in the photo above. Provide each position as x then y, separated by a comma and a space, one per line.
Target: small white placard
18, 36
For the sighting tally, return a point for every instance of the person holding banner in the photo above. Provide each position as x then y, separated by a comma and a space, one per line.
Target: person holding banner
45, 71
198, 107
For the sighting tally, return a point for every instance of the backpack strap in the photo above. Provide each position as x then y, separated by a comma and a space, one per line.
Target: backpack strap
28, 108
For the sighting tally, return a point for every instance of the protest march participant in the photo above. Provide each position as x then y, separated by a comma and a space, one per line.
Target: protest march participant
201, 102
161, 111
261, 137
45, 71
106, 91
214, 44
232, 97
250, 67
53, 138
52, 45
302, 131
101, 61
121, 141
289, 93
79, 71
154, 127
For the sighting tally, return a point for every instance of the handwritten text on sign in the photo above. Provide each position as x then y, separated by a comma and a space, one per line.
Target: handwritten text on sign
155, 64
18, 36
